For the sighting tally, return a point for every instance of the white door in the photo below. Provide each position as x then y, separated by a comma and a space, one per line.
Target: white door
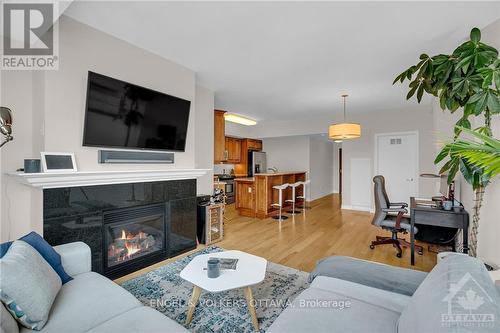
397, 160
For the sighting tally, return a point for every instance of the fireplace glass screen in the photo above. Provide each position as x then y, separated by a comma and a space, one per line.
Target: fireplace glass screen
135, 236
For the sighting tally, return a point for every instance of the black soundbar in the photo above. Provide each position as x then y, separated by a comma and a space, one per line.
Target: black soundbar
120, 156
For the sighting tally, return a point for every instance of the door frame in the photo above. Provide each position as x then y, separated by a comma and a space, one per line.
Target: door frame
417, 157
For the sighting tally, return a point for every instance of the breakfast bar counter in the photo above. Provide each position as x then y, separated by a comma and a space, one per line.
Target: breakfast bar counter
254, 195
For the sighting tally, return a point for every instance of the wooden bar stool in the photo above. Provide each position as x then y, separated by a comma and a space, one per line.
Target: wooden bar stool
293, 186
303, 197
279, 204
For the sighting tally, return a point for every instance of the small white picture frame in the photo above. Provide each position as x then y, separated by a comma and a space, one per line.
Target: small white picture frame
58, 162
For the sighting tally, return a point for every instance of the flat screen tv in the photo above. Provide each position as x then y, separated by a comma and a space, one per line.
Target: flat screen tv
122, 115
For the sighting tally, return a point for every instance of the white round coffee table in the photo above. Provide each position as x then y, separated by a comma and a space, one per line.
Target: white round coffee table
250, 270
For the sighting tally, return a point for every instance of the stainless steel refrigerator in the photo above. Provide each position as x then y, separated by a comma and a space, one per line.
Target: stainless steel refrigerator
257, 162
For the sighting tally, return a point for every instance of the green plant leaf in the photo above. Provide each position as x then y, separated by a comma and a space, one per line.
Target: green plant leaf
493, 102
475, 35
420, 92
481, 103
442, 154
411, 92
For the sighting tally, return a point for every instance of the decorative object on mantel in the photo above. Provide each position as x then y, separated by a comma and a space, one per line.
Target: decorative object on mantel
6, 124
344, 131
58, 162
32, 165
90, 178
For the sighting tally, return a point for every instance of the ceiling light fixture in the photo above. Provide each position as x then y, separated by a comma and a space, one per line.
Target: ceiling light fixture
344, 131
236, 118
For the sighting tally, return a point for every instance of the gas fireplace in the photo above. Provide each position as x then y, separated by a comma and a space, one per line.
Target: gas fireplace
127, 226
133, 234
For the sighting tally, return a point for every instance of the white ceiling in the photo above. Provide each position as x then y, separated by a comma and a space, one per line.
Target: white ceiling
271, 60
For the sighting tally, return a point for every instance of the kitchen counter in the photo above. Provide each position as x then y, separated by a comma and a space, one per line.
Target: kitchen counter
254, 195
244, 179
284, 173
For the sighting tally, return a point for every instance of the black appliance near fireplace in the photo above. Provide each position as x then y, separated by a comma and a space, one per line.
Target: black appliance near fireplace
127, 226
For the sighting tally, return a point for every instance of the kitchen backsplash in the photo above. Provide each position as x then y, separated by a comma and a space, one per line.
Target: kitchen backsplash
219, 168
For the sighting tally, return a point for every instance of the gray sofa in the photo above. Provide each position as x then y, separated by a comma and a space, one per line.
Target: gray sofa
351, 295
93, 303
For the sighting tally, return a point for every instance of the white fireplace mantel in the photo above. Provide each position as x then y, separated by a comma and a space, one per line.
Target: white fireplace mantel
90, 178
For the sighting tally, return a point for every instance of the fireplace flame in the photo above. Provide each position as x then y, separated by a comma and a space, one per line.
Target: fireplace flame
131, 249
127, 244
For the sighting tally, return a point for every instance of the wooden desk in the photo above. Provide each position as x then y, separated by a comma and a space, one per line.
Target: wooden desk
437, 217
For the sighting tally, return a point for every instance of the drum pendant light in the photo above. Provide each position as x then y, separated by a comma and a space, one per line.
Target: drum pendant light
344, 131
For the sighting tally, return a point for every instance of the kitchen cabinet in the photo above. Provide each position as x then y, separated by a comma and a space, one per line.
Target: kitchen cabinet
241, 168
254, 145
233, 150
245, 197
255, 195
219, 137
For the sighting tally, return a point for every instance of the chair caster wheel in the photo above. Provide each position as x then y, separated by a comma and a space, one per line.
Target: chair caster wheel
372, 247
399, 255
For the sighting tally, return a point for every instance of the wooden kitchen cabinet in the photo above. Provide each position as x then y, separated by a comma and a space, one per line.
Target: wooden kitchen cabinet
219, 137
241, 168
254, 145
245, 197
233, 150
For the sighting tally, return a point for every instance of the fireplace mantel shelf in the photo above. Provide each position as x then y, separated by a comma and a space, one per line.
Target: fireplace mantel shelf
89, 178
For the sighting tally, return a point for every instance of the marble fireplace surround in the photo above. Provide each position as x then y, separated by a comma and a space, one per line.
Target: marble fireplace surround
74, 205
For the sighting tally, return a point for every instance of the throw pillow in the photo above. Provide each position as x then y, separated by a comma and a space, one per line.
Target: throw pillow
28, 286
7, 323
45, 249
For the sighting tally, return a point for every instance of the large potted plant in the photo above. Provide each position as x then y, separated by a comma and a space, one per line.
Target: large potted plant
467, 81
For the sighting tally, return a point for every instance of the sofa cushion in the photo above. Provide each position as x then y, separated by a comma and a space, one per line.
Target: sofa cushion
45, 249
311, 312
377, 275
389, 300
28, 285
457, 295
7, 323
88, 300
142, 319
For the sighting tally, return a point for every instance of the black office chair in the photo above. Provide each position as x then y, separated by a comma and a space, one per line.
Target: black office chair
394, 223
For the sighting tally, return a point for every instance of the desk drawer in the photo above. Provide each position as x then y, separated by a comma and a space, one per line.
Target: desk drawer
441, 219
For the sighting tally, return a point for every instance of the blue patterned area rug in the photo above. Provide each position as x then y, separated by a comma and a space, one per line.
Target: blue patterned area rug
164, 290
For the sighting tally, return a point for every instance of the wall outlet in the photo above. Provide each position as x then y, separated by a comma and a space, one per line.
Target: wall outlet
249, 190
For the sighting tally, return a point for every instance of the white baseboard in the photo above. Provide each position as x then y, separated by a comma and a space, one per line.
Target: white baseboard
360, 208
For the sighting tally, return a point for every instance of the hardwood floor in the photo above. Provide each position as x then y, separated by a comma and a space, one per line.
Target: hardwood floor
323, 231
299, 242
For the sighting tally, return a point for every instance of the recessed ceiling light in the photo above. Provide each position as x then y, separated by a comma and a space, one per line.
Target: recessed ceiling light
236, 118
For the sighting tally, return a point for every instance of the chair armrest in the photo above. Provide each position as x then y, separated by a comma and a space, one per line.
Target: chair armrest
75, 257
400, 204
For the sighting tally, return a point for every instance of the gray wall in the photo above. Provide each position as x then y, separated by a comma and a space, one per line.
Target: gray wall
419, 119
321, 167
304, 153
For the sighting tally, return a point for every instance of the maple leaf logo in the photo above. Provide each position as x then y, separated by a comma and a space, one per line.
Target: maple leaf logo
471, 301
